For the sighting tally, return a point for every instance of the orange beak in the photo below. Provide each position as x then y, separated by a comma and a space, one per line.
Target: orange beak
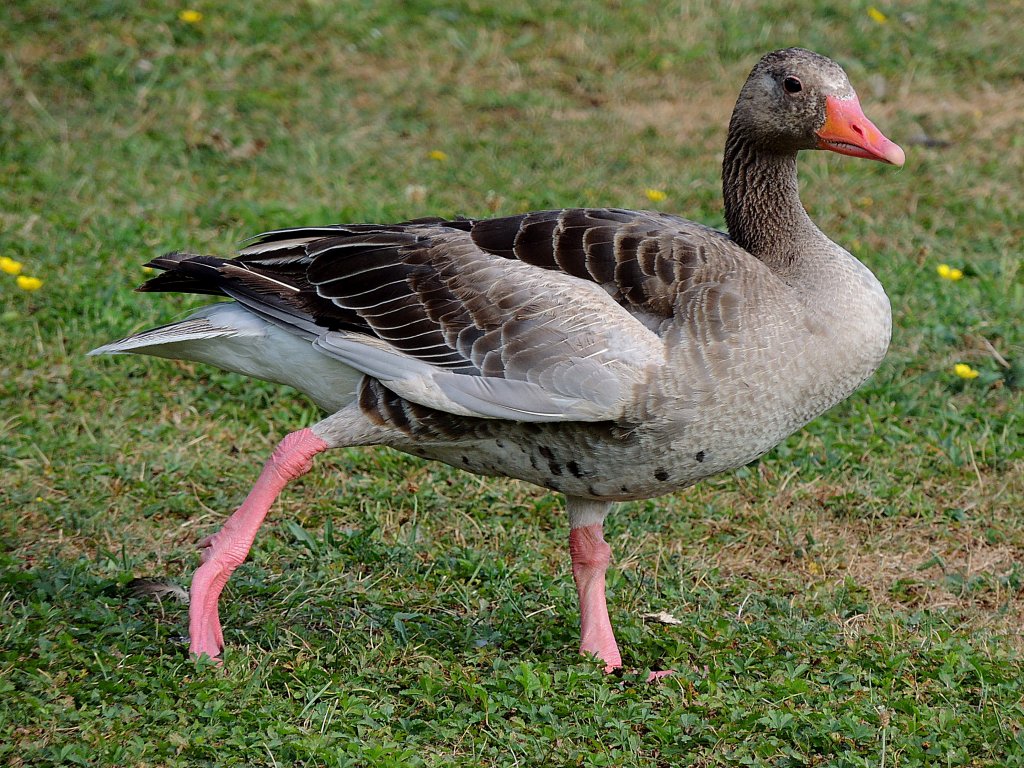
848, 132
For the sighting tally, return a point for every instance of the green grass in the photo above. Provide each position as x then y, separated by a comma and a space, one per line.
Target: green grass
852, 599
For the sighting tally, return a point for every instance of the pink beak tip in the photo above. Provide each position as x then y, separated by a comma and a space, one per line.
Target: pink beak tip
894, 154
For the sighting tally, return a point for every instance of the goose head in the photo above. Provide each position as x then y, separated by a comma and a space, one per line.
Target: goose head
796, 99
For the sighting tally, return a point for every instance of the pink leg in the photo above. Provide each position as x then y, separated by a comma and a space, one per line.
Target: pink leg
226, 549
590, 558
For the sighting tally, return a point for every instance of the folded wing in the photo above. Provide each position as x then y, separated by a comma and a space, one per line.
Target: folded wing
550, 316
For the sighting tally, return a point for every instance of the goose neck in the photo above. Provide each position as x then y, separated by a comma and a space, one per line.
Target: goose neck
762, 204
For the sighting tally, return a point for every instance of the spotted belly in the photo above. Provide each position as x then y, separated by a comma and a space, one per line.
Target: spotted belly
601, 460
587, 460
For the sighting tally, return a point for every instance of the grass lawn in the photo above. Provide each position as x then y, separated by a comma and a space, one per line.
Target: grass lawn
853, 599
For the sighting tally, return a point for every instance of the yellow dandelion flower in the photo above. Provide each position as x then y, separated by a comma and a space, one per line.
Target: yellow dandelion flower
9, 265
964, 371
437, 154
148, 270
189, 16
29, 283
655, 195
877, 16
949, 273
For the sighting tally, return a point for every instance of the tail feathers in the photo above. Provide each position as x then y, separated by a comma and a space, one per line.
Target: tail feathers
232, 338
190, 329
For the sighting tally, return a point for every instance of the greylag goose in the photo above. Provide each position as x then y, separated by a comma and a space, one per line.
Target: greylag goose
603, 353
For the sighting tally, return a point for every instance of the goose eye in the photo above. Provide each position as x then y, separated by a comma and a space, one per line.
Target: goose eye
792, 85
